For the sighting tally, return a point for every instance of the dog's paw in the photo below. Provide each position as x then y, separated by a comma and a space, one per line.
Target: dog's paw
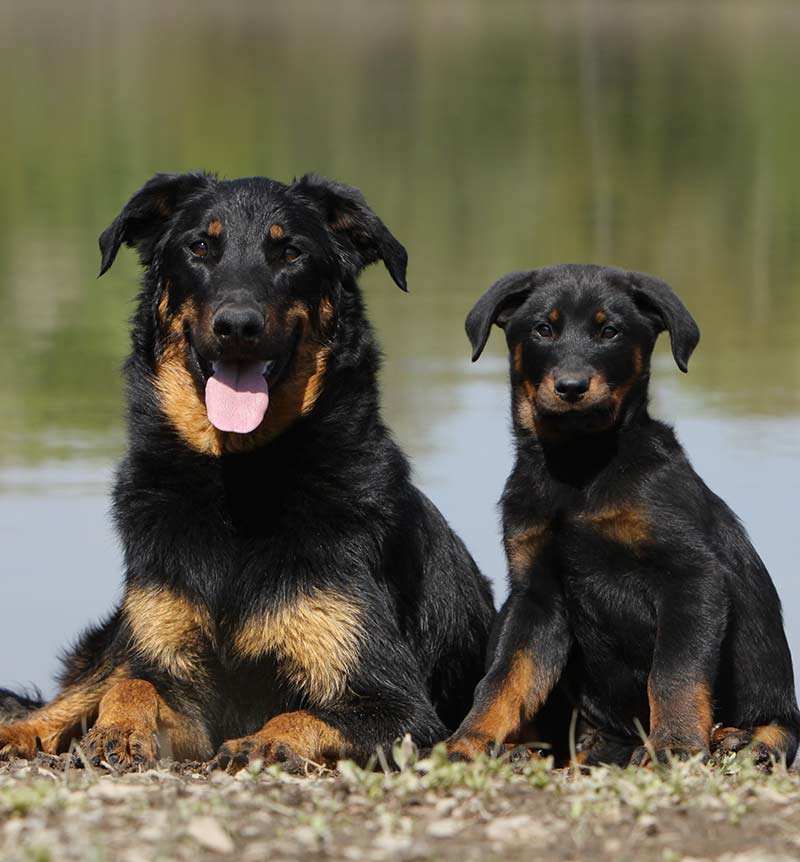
643, 754
122, 748
20, 739
744, 741
236, 754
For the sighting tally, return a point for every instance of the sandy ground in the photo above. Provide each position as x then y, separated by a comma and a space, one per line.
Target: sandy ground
431, 810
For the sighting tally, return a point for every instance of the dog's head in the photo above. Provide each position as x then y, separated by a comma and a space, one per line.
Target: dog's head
242, 295
580, 339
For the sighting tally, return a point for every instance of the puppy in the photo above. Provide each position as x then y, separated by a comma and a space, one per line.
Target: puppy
632, 586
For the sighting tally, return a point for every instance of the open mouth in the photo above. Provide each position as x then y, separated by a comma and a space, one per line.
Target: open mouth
237, 391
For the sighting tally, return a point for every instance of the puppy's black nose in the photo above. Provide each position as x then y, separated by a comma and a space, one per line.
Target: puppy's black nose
572, 387
238, 323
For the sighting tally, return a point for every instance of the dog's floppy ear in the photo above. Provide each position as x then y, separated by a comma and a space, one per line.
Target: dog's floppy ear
662, 305
498, 305
144, 216
363, 237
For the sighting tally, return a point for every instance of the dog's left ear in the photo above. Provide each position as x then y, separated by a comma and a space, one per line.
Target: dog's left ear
363, 237
146, 214
662, 305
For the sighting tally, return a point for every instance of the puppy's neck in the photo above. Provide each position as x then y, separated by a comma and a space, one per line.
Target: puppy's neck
578, 459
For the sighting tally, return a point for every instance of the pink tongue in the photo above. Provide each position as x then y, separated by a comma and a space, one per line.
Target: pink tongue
237, 396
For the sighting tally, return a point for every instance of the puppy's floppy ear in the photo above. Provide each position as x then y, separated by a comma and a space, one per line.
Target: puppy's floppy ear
498, 305
363, 237
145, 215
662, 305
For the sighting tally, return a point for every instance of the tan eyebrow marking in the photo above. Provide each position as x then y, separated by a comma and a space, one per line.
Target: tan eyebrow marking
215, 227
600, 317
275, 231
553, 316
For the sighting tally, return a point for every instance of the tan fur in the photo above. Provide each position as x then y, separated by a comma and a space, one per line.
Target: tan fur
316, 639
522, 693
275, 231
168, 630
688, 715
292, 735
296, 395
553, 316
600, 317
627, 524
522, 548
774, 736
182, 737
215, 227
61, 720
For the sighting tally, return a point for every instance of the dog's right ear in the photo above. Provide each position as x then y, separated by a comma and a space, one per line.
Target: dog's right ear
498, 305
144, 217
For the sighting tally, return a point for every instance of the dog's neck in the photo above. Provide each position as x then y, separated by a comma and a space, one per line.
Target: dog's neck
579, 460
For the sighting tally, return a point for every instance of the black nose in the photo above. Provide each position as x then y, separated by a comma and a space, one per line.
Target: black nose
572, 387
238, 323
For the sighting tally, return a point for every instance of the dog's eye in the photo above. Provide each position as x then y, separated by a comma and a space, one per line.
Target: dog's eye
198, 249
545, 330
609, 332
291, 253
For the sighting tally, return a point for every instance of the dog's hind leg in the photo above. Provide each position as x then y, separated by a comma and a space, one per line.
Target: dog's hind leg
15, 707
51, 727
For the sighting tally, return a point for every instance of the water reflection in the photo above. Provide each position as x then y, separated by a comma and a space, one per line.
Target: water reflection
490, 136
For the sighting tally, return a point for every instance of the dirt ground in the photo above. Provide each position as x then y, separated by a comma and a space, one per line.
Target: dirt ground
51, 810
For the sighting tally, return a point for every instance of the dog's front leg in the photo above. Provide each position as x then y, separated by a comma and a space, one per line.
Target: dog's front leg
690, 625
531, 651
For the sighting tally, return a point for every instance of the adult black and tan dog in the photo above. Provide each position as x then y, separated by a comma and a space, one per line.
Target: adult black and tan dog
631, 583
289, 594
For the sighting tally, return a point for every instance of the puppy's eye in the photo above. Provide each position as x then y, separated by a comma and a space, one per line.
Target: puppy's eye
199, 249
291, 253
545, 330
609, 332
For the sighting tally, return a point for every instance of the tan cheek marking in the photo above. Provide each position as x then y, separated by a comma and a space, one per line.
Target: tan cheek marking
275, 231
523, 548
296, 396
215, 228
168, 630
626, 524
316, 639
517, 359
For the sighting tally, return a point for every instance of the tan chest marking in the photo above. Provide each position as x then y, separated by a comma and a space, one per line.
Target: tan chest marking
316, 639
523, 547
626, 524
168, 630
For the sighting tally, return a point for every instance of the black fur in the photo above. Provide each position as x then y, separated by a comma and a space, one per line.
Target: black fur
325, 506
631, 582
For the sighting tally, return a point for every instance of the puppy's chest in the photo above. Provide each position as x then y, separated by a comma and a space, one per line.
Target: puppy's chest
311, 639
581, 540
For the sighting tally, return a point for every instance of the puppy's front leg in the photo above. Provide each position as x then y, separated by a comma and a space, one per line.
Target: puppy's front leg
691, 617
531, 650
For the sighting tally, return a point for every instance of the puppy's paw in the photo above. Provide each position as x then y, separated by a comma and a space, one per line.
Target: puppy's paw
123, 748
643, 754
20, 739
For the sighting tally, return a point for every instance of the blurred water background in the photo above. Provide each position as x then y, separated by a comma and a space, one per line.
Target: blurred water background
660, 136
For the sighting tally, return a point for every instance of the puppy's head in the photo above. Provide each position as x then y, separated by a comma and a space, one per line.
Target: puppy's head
241, 301
580, 339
